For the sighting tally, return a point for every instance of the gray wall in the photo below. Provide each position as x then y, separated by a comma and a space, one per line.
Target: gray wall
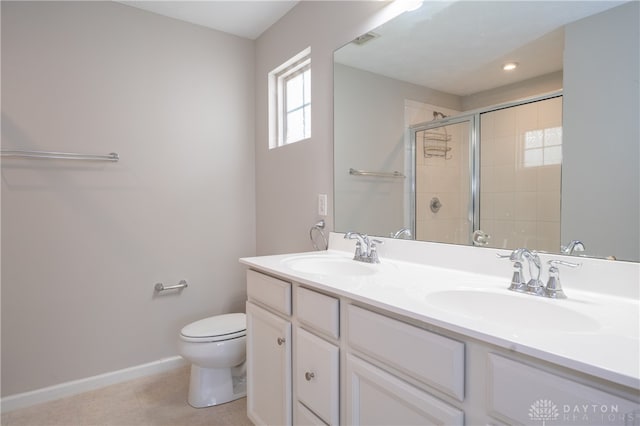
83, 243
601, 140
370, 131
288, 179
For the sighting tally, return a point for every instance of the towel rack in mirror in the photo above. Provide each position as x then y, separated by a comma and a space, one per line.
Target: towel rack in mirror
393, 174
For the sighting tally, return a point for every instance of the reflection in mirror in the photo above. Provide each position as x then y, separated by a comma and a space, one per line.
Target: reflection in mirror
464, 152
443, 198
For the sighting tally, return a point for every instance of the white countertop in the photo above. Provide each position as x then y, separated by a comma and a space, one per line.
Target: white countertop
605, 343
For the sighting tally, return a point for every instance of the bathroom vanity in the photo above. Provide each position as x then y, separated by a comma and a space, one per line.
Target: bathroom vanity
334, 341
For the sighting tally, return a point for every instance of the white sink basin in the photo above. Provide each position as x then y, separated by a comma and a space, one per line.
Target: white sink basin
519, 311
330, 265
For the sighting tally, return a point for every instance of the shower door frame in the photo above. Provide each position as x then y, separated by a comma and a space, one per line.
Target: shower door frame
473, 117
473, 213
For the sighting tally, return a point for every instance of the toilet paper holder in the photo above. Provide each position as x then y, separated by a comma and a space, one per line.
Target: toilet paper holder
160, 287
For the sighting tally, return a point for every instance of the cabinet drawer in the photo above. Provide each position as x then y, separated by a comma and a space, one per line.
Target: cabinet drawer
521, 394
317, 375
318, 311
377, 397
269, 291
428, 357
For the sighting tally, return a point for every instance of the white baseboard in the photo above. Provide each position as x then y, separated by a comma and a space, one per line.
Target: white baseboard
75, 387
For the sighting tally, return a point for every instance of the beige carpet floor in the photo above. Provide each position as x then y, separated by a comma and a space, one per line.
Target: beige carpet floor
155, 400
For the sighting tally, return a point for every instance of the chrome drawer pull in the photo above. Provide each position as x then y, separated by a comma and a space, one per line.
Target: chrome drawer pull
280, 341
309, 376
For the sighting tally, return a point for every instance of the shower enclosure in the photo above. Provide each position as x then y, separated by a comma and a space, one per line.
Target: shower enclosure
443, 190
490, 177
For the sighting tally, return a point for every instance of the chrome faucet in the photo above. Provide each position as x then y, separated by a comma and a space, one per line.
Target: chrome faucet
366, 250
402, 232
534, 286
574, 245
480, 238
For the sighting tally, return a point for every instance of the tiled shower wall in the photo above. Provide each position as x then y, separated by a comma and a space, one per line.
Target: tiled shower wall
520, 175
447, 178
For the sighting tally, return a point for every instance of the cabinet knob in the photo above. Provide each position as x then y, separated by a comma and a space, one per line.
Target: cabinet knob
309, 376
281, 341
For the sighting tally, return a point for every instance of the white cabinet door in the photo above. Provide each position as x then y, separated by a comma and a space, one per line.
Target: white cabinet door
518, 393
375, 397
268, 367
317, 375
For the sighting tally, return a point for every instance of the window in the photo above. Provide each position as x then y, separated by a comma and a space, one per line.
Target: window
290, 101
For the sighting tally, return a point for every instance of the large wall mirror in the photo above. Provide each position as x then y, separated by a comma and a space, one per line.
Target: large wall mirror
435, 141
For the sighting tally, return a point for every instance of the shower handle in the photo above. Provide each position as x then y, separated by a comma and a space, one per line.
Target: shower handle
435, 204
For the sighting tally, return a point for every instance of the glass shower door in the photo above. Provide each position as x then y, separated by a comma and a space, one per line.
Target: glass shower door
520, 165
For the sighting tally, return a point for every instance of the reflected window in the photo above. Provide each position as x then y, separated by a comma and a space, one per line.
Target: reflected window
543, 147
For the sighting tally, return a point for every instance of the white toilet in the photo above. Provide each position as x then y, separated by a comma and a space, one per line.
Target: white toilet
216, 348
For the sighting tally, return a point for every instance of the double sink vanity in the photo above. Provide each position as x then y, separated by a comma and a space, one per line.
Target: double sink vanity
432, 335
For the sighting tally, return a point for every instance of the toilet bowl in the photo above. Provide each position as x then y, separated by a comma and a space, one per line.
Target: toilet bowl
216, 349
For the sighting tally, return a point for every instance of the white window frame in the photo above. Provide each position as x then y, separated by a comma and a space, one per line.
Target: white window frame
544, 149
278, 79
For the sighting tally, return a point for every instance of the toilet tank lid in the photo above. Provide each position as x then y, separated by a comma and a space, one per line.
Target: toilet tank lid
219, 325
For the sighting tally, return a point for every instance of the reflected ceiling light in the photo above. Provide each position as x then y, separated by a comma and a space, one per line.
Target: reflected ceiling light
510, 66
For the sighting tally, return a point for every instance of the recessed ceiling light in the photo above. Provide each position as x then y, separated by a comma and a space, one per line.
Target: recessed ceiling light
510, 66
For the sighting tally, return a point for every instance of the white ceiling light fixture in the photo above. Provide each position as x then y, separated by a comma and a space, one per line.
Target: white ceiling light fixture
510, 66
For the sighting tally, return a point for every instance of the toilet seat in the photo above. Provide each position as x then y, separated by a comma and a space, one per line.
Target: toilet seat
215, 329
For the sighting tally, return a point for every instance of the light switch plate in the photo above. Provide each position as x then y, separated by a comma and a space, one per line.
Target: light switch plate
322, 204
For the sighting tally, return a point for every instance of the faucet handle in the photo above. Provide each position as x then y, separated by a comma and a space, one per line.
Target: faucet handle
517, 280
515, 256
553, 262
373, 251
359, 240
358, 253
554, 288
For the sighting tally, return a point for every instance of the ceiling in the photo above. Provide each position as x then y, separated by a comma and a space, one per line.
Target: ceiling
455, 46
248, 19
459, 47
